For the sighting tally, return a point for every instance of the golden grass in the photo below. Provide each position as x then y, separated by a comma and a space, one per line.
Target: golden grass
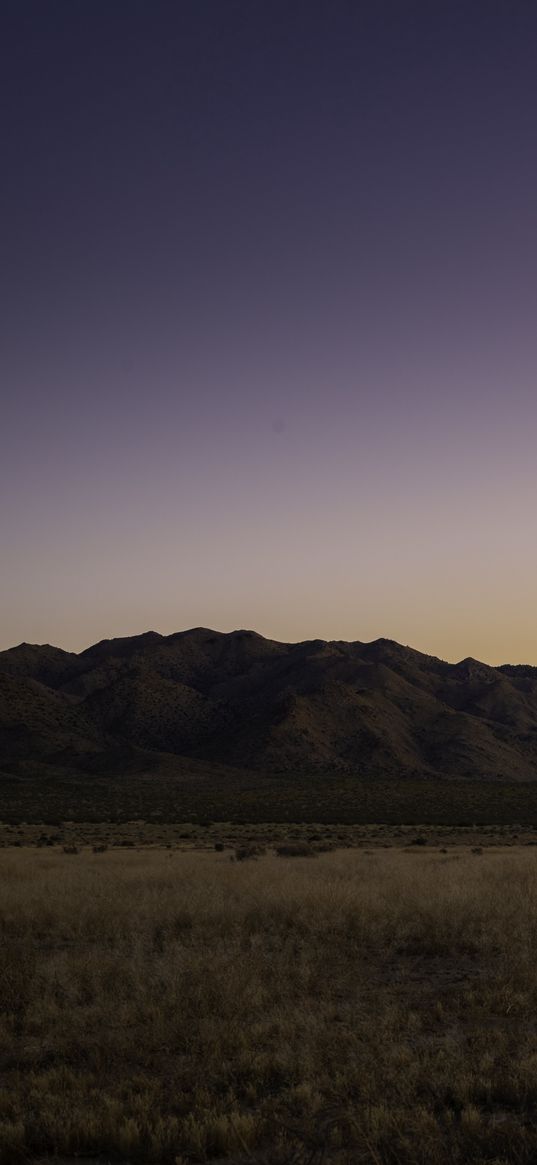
362, 1007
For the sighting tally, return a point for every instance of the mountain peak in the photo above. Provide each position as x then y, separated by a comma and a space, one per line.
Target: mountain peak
123, 645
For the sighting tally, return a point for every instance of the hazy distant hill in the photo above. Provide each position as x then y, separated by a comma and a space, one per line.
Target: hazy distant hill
375, 710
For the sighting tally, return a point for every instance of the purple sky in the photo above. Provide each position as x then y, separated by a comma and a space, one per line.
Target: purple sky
268, 338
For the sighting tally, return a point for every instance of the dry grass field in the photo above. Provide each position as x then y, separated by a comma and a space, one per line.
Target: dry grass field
174, 1006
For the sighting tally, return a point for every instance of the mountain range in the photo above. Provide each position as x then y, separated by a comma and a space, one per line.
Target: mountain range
375, 710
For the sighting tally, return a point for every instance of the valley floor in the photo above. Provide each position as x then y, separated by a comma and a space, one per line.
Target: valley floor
370, 1004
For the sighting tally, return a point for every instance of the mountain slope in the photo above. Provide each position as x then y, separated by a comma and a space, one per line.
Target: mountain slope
371, 709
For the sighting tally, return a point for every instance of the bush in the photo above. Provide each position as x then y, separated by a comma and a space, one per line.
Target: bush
244, 853
295, 849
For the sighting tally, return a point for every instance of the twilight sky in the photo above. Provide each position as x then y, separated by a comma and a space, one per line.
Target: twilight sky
268, 332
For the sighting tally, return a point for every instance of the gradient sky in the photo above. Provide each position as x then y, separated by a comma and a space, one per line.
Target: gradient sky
268, 333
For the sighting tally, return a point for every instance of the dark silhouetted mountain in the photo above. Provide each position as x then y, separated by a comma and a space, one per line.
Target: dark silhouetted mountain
371, 709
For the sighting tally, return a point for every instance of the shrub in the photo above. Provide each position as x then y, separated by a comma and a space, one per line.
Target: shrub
244, 853
295, 849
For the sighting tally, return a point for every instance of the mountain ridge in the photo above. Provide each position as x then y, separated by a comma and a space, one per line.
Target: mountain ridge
377, 709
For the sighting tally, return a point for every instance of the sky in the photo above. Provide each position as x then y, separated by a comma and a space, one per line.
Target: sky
268, 331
